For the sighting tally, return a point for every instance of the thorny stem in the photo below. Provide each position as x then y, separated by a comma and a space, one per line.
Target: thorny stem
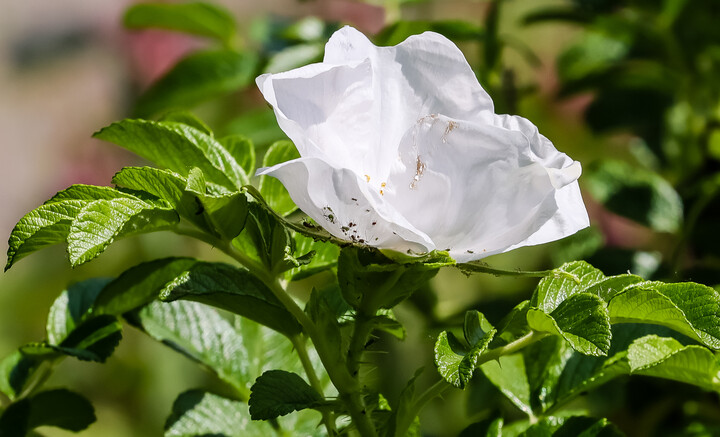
347, 386
441, 386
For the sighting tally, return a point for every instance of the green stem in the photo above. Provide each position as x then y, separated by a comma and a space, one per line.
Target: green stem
441, 386
41, 375
328, 416
484, 268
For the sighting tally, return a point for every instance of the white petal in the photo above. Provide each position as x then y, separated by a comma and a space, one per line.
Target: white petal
346, 206
325, 109
479, 189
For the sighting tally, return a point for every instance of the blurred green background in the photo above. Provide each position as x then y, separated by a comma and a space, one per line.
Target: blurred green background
629, 88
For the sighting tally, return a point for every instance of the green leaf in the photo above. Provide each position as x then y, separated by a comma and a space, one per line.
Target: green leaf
95, 339
232, 289
186, 117
260, 126
201, 76
177, 147
668, 358
166, 185
277, 393
490, 427
402, 422
73, 330
566, 280
59, 408
582, 320
388, 323
456, 362
266, 240
139, 285
242, 149
100, 222
199, 413
689, 308
50, 223
272, 189
220, 214
202, 19
71, 308
635, 193
508, 374
17, 369
225, 212
201, 334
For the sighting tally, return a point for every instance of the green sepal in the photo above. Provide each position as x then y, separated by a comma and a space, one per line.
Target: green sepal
370, 280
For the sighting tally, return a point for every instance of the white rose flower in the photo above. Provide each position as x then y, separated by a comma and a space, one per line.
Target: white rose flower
401, 149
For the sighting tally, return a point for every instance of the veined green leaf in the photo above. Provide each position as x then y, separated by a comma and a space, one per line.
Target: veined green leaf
73, 330
196, 413
509, 375
59, 408
44, 226
456, 362
201, 76
99, 222
668, 358
177, 147
226, 213
568, 279
689, 308
139, 285
232, 289
200, 333
220, 214
582, 319
266, 240
52, 222
277, 393
242, 149
202, 19
199, 413
272, 189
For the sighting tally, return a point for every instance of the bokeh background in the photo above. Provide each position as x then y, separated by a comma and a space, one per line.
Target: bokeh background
629, 88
